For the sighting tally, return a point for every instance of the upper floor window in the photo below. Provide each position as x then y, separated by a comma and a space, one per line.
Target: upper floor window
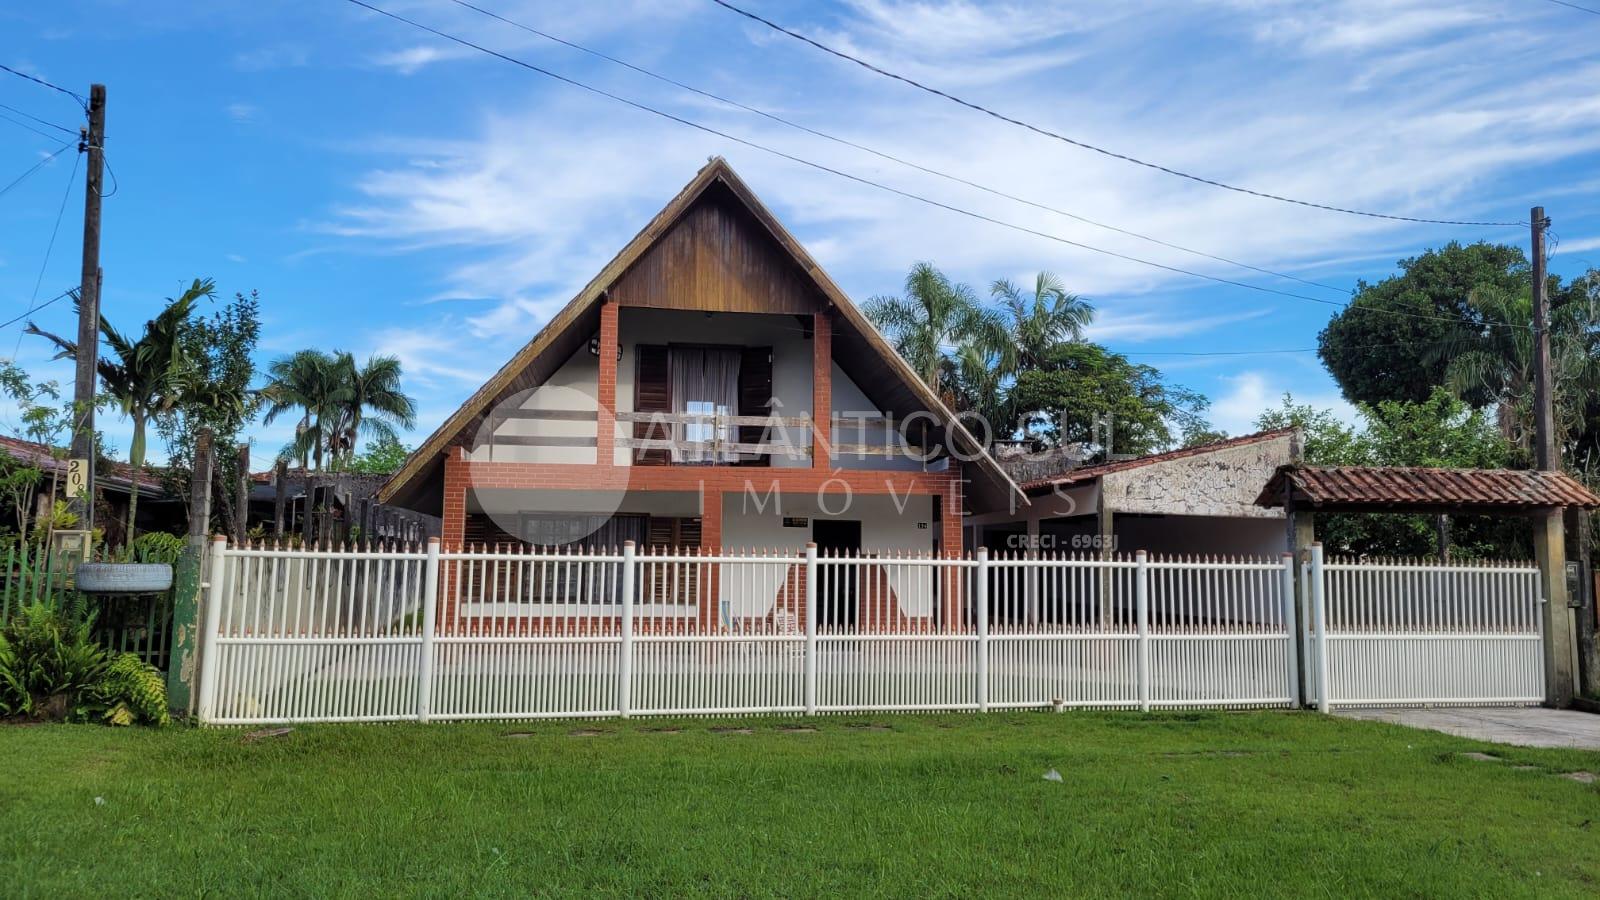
705, 381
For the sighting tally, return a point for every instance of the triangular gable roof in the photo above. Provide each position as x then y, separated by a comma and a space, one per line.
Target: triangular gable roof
995, 484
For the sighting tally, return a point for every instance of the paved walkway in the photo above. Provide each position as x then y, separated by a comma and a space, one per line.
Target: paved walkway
1525, 726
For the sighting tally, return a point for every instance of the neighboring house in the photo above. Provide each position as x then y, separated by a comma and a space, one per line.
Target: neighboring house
674, 402
158, 510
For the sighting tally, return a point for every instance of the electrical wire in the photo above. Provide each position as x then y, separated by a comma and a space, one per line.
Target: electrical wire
1100, 150
66, 293
28, 115
82, 100
1590, 11
24, 125
36, 167
885, 156
72, 179
858, 179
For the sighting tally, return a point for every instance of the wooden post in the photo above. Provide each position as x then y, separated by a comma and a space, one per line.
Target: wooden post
1301, 528
1544, 449
1560, 651
280, 481
306, 506
241, 494
1441, 534
183, 663
1588, 654
86, 380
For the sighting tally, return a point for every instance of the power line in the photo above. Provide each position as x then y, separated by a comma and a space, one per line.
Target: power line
26, 114
49, 248
858, 179
886, 156
1087, 146
82, 100
66, 293
25, 126
1589, 10
36, 167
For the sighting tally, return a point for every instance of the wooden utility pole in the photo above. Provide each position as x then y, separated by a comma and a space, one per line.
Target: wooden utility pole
1544, 451
187, 581
86, 380
280, 480
241, 494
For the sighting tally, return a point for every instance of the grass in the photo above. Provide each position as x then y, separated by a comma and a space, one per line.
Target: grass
1209, 803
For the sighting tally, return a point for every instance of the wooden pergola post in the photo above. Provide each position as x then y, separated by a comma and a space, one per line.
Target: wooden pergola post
1560, 649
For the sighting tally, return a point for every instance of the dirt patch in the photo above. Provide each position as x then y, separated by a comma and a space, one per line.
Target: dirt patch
868, 726
518, 734
797, 729
664, 730
587, 732
1475, 756
1580, 777
730, 730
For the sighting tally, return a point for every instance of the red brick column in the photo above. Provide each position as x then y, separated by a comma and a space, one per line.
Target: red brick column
606, 408
950, 522
711, 545
821, 389
457, 477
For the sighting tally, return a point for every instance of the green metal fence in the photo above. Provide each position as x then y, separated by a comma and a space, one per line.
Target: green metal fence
139, 624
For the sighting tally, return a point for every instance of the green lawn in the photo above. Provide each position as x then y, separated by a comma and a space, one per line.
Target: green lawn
1270, 803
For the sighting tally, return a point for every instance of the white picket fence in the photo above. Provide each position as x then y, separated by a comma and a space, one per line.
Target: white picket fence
321, 636
1390, 633
302, 636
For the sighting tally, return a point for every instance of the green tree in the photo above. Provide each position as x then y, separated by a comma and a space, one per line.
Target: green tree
933, 320
306, 382
1378, 347
1043, 318
368, 400
1080, 388
383, 456
148, 376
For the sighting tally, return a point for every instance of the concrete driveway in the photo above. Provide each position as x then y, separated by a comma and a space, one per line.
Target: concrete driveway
1525, 726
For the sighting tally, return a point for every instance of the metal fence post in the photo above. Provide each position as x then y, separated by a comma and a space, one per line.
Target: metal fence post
980, 601
625, 661
430, 623
1319, 618
811, 629
210, 670
1141, 593
1291, 627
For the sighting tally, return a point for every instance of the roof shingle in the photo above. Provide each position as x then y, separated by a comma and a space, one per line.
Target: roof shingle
1423, 488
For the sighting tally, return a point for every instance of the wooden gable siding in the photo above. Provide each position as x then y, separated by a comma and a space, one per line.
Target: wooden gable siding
716, 258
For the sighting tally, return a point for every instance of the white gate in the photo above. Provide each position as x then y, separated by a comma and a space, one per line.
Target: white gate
315, 636
1416, 633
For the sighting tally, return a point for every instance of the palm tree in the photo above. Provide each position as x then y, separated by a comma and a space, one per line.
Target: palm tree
1494, 360
1044, 319
306, 381
147, 377
933, 320
368, 400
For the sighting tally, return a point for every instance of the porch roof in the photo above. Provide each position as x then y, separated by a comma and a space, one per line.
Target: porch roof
1417, 489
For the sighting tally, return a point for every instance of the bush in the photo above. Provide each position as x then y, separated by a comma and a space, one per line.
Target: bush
51, 668
132, 693
50, 665
156, 547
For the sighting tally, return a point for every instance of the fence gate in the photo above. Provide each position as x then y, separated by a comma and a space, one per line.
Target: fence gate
1417, 633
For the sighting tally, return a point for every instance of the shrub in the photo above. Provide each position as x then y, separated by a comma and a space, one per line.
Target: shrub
132, 693
50, 665
156, 547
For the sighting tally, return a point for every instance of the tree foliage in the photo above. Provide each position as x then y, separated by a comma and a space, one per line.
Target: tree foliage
1081, 390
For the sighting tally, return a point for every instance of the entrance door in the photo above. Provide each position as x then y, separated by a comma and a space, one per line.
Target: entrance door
836, 592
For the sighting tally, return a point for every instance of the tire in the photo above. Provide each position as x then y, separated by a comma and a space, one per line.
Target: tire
123, 578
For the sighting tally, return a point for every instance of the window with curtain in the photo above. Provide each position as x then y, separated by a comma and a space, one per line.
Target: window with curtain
705, 381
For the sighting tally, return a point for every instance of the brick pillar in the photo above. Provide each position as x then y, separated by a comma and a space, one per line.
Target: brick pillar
452, 533
950, 522
606, 408
711, 544
821, 389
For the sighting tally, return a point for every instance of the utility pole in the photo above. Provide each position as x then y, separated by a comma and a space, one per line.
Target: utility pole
1549, 532
88, 355
1544, 451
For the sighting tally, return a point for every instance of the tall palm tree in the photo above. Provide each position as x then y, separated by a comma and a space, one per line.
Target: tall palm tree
368, 400
1043, 319
308, 382
933, 320
1494, 360
146, 377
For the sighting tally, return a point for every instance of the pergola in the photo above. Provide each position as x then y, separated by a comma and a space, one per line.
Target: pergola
1303, 491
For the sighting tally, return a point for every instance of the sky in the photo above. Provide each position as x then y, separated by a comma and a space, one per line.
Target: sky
387, 191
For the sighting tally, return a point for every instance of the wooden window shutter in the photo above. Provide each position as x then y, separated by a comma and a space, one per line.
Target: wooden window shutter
755, 396
652, 393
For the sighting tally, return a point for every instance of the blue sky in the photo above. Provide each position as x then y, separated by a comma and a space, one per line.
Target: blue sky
386, 191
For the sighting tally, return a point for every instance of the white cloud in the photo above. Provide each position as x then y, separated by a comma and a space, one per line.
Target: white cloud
1251, 393
242, 112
